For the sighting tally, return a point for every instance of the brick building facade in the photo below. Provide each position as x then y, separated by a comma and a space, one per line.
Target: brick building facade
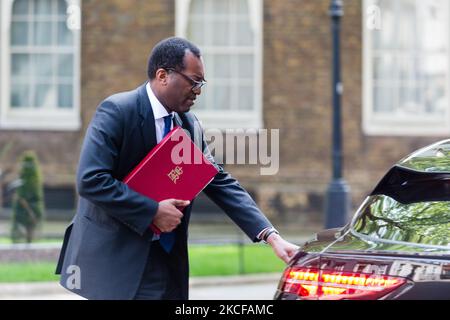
116, 37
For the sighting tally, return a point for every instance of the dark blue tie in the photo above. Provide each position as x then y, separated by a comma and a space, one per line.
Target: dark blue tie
167, 124
167, 239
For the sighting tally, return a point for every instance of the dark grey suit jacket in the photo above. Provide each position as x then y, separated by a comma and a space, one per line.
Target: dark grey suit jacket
106, 246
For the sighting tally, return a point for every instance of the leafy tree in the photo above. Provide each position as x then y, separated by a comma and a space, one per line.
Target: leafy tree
4, 149
28, 203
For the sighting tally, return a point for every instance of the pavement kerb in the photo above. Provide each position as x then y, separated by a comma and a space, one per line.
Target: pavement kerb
10, 290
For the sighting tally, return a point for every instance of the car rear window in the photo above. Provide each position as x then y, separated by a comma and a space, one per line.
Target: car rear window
433, 158
426, 222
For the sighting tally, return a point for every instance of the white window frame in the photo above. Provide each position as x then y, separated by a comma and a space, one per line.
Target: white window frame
35, 119
386, 125
231, 119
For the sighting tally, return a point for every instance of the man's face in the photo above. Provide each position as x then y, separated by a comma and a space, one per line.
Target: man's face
180, 92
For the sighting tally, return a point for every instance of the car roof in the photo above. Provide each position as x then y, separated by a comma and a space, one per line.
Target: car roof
433, 158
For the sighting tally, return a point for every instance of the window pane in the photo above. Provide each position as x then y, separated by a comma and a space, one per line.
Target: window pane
42, 71
435, 92
383, 99
21, 7
65, 96
196, 32
406, 24
245, 66
434, 64
43, 7
384, 38
435, 101
221, 97
197, 7
43, 33
221, 33
242, 7
200, 103
208, 64
65, 65
384, 67
62, 7
409, 101
408, 72
19, 33
222, 68
43, 65
65, 36
244, 35
20, 65
245, 94
217, 25
45, 96
221, 7
20, 95
433, 21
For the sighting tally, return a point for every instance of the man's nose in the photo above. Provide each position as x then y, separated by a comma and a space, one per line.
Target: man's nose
197, 91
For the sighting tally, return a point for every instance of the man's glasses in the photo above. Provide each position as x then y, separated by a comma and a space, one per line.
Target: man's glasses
195, 84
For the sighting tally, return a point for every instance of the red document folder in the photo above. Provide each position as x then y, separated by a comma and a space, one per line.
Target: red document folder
175, 168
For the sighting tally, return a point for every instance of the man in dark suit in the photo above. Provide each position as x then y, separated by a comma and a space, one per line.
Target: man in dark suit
109, 250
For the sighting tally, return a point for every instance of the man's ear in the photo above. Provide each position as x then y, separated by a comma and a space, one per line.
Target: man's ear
162, 76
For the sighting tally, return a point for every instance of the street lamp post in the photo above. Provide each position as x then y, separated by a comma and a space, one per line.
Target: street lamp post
337, 199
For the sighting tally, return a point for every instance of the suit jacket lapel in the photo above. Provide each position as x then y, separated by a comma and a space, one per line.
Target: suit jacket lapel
147, 123
177, 120
186, 124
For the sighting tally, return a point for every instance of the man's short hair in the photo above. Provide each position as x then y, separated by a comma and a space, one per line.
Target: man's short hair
169, 53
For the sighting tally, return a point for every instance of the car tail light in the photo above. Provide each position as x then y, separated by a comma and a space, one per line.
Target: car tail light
312, 283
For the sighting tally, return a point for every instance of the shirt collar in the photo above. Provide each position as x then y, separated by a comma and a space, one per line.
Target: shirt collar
158, 109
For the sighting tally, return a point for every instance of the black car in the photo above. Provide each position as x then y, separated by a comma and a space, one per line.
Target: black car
397, 245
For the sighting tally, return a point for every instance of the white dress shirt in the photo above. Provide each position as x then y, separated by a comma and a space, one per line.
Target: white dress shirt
159, 112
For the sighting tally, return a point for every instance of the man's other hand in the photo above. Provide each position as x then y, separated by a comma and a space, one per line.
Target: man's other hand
282, 248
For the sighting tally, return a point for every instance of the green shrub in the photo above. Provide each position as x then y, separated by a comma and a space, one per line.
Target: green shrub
28, 203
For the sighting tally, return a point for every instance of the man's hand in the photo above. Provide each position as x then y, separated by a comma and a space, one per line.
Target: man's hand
168, 216
282, 248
